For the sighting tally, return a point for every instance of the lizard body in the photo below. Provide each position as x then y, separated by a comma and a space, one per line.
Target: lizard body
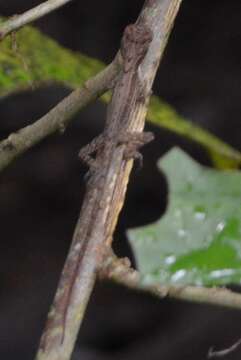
126, 92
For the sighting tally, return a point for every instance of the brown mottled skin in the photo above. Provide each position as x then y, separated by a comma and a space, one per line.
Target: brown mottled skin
126, 93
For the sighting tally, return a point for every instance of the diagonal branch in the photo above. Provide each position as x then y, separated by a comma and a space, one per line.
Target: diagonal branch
59, 117
104, 199
17, 21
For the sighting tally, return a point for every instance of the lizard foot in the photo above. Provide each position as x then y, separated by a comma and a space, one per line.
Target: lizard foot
89, 149
133, 143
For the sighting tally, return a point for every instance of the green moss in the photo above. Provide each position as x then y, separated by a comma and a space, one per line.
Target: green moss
32, 58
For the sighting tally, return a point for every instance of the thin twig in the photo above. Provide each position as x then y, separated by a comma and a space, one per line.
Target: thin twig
120, 271
59, 117
224, 352
100, 210
17, 21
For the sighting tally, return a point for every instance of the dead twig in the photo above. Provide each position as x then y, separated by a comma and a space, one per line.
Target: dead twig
18, 21
224, 352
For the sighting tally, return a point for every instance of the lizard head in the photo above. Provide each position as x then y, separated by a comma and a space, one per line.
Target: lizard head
134, 45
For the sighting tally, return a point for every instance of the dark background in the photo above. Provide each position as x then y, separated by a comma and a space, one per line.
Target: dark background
40, 194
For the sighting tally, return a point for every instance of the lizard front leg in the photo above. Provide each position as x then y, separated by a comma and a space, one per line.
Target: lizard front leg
134, 141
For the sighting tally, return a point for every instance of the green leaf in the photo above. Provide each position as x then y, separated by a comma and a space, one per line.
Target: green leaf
31, 59
198, 240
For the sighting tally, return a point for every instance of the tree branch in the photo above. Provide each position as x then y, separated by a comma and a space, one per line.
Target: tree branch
102, 204
120, 271
59, 117
17, 21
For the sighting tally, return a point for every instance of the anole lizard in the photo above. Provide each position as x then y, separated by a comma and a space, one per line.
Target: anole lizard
127, 91
91, 228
